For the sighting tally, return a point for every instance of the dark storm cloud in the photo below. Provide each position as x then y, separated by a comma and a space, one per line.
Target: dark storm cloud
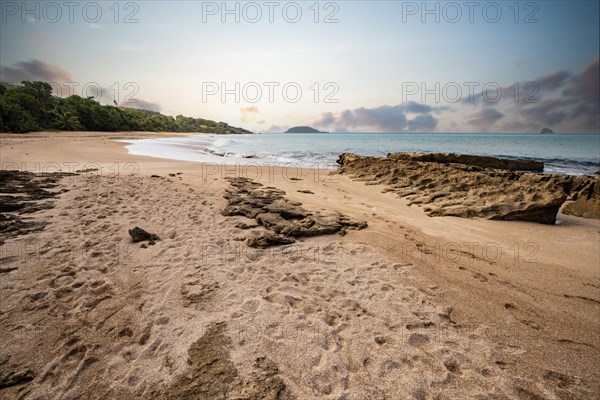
485, 118
380, 119
571, 101
548, 112
422, 123
586, 85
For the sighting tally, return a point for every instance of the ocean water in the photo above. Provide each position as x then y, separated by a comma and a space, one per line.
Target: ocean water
571, 154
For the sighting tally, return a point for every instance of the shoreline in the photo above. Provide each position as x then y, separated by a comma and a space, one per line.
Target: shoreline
292, 151
212, 156
365, 293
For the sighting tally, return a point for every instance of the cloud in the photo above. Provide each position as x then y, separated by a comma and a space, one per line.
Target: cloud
547, 112
247, 113
34, 70
552, 80
250, 109
143, 105
417, 108
578, 107
327, 119
562, 101
586, 85
380, 119
492, 93
276, 129
485, 118
422, 123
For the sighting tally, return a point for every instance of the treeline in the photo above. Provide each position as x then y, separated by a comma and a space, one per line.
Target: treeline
32, 107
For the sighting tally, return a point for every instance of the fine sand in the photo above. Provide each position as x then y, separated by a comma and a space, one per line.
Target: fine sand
412, 307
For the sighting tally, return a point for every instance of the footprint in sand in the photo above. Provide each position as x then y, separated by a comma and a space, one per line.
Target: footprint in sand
521, 316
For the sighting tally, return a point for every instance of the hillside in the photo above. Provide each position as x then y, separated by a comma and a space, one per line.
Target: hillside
32, 107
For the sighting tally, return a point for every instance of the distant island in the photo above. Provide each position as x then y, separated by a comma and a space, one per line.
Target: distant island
303, 129
547, 131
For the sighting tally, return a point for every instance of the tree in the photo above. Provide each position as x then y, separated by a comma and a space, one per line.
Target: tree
64, 118
14, 119
31, 106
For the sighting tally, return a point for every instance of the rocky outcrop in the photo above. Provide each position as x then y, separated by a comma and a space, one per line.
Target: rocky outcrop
585, 193
283, 219
13, 375
476, 161
546, 131
466, 186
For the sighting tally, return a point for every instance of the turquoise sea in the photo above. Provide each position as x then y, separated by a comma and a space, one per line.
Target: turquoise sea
571, 154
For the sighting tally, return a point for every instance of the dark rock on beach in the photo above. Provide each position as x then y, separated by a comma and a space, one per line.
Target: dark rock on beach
466, 159
284, 219
140, 235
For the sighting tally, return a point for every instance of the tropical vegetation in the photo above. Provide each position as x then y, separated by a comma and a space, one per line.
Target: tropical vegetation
32, 107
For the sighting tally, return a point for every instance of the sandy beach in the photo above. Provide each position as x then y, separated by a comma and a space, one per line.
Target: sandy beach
410, 307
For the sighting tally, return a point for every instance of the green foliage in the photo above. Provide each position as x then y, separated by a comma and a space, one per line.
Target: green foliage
65, 118
32, 107
13, 118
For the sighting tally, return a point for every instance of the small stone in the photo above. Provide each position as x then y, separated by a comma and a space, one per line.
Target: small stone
140, 235
418, 338
380, 340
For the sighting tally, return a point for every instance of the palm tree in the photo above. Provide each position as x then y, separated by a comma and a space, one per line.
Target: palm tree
66, 119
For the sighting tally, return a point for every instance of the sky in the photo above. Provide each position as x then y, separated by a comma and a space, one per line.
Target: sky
339, 66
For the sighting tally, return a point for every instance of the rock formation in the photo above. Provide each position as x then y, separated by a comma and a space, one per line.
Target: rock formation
283, 219
585, 193
547, 131
474, 186
476, 161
